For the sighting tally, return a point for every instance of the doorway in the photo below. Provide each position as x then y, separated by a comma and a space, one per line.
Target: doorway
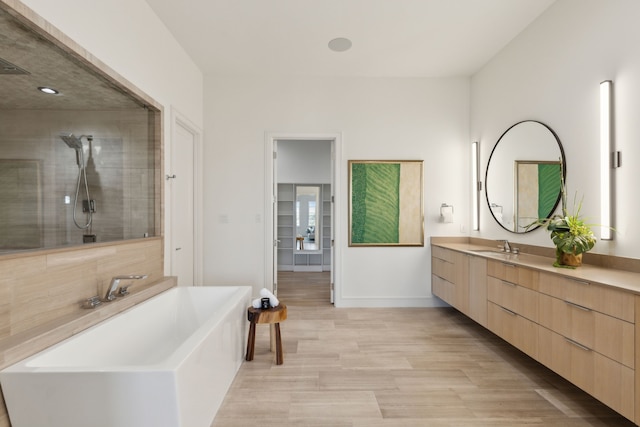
304, 289
320, 231
184, 182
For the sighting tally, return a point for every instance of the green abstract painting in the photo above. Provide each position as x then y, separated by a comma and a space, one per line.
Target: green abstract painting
549, 184
537, 184
386, 203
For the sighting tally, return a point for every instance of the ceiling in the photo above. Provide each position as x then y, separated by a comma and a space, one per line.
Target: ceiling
391, 38
47, 65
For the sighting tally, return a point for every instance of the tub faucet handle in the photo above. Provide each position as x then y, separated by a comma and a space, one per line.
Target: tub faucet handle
124, 290
92, 302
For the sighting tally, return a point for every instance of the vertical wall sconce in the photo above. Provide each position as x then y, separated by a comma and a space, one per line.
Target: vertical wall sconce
605, 160
475, 186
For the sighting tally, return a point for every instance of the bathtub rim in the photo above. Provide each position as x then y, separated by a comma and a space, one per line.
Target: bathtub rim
169, 364
20, 346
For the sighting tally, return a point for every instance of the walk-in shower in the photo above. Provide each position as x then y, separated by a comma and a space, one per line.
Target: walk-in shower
88, 205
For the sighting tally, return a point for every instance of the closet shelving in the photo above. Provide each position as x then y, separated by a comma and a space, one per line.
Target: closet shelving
289, 258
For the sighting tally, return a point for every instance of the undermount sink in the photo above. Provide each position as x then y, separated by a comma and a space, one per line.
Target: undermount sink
493, 252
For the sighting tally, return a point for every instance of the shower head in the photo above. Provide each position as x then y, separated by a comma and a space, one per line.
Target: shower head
72, 141
76, 143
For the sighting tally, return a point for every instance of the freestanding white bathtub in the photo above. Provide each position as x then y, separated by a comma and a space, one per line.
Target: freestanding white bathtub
166, 362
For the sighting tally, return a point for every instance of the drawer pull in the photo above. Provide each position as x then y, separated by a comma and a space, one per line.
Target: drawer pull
508, 283
582, 282
573, 304
508, 311
570, 341
506, 264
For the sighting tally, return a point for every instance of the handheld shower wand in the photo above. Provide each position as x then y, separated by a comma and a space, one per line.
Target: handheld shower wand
76, 143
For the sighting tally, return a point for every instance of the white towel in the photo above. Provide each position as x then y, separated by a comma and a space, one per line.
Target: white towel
266, 293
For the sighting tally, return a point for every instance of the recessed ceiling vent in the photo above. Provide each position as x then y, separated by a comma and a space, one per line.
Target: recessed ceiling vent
7, 67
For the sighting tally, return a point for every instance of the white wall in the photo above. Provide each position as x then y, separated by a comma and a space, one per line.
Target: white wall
401, 119
551, 73
128, 37
304, 162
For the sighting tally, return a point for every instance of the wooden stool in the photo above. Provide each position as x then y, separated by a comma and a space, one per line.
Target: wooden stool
301, 240
273, 316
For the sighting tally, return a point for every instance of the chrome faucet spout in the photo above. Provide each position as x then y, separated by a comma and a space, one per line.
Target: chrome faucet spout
115, 282
505, 245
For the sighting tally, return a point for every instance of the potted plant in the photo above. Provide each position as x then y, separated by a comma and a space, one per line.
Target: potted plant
569, 233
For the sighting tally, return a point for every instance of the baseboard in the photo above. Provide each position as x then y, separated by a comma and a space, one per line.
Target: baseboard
382, 302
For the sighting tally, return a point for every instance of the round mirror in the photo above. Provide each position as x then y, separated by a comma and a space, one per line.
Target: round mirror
523, 182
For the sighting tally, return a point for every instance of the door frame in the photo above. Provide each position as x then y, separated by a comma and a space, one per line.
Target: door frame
270, 200
179, 119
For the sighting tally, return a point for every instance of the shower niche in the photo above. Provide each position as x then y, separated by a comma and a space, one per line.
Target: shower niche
77, 166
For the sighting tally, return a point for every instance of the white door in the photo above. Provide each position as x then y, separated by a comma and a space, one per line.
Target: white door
182, 205
333, 222
274, 210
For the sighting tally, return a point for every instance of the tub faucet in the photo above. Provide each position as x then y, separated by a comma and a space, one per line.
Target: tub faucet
110, 295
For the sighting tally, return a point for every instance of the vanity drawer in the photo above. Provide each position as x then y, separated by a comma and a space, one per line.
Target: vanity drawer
513, 328
443, 289
607, 380
604, 334
512, 273
443, 254
614, 302
518, 299
442, 268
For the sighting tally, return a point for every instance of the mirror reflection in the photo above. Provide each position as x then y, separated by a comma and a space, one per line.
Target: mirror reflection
308, 213
523, 175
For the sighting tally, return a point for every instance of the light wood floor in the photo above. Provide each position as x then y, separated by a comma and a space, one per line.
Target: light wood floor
395, 367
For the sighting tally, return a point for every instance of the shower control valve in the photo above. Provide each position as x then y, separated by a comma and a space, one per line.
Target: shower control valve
89, 206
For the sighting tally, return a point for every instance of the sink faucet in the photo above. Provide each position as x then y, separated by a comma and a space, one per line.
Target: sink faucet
505, 245
110, 295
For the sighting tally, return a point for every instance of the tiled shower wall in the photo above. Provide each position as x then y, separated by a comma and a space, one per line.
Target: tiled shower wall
120, 173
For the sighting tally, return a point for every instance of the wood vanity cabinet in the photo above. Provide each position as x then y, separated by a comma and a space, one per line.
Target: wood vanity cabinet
449, 269
460, 280
513, 305
478, 289
585, 332
587, 335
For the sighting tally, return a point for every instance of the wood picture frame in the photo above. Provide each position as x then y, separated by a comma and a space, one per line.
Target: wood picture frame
386, 205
